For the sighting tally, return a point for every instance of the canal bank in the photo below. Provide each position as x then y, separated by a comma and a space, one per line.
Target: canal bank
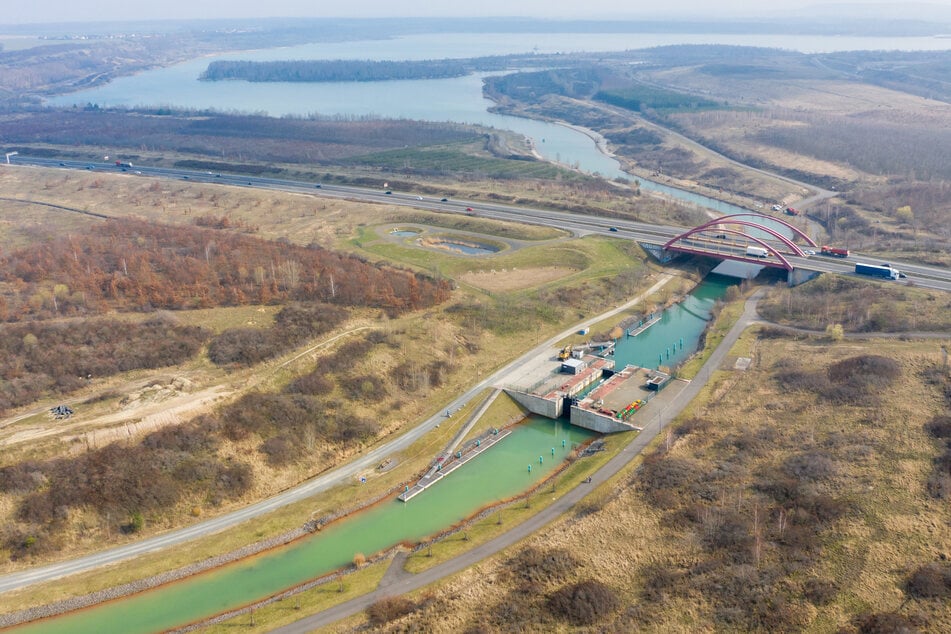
197, 602
496, 476
402, 584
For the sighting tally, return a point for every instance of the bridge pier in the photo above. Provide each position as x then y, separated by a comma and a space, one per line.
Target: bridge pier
795, 277
658, 252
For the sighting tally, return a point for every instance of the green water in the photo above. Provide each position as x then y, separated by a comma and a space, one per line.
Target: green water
497, 474
676, 336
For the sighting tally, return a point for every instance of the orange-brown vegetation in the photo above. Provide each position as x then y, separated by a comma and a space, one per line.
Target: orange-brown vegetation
785, 503
127, 264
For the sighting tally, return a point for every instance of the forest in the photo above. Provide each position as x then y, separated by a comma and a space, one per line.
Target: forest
226, 137
348, 70
41, 357
132, 265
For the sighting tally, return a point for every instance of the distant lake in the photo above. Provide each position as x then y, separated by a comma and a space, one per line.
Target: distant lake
457, 99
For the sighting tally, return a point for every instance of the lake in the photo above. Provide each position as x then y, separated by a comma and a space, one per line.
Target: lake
457, 99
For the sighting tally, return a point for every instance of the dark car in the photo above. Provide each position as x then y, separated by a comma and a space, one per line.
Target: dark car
317, 186
388, 193
444, 200
613, 229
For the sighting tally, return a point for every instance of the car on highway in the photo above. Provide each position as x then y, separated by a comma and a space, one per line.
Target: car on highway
388, 193
419, 198
613, 229
469, 209
444, 200
808, 251
317, 186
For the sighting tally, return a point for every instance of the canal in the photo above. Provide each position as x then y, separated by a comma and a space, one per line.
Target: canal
672, 340
496, 475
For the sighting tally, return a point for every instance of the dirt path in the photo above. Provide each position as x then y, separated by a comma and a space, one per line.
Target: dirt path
303, 491
394, 584
146, 412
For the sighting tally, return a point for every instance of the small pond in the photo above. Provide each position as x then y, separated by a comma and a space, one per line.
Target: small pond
467, 248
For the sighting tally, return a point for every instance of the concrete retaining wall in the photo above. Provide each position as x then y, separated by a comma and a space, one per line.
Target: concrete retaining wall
598, 422
550, 408
800, 276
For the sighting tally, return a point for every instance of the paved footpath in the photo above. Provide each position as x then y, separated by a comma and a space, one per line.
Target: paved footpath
401, 584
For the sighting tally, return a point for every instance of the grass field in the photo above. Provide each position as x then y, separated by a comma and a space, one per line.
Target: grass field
602, 271
655, 552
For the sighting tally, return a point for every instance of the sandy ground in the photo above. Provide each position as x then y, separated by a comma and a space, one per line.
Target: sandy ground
503, 280
141, 412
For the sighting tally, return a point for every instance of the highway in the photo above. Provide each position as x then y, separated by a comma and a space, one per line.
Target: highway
922, 276
918, 275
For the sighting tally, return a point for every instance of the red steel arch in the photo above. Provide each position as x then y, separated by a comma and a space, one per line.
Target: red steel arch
786, 263
706, 226
796, 230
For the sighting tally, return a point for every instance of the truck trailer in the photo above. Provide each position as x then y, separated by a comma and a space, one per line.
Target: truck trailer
875, 270
835, 252
758, 252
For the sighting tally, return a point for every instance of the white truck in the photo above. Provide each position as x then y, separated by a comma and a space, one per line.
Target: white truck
758, 252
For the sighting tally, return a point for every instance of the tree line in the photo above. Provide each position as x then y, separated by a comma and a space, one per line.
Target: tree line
38, 357
232, 139
127, 264
312, 70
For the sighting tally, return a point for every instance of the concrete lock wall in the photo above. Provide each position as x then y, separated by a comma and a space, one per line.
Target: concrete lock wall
550, 408
597, 422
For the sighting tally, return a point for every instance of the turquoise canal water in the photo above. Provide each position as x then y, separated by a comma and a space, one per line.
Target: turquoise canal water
497, 474
676, 336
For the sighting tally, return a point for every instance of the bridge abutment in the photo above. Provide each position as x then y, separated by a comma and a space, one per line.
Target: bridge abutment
795, 277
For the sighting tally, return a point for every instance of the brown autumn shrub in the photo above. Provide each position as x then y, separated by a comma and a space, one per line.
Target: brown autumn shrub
930, 581
389, 609
584, 603
885, 623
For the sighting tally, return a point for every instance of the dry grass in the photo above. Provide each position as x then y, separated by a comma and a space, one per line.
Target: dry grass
418, 338
504, 281
883, 457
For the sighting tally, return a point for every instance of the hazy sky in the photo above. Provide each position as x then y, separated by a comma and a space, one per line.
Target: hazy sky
26, 11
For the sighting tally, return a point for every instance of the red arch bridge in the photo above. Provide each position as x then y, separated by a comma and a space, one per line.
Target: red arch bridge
744, 237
